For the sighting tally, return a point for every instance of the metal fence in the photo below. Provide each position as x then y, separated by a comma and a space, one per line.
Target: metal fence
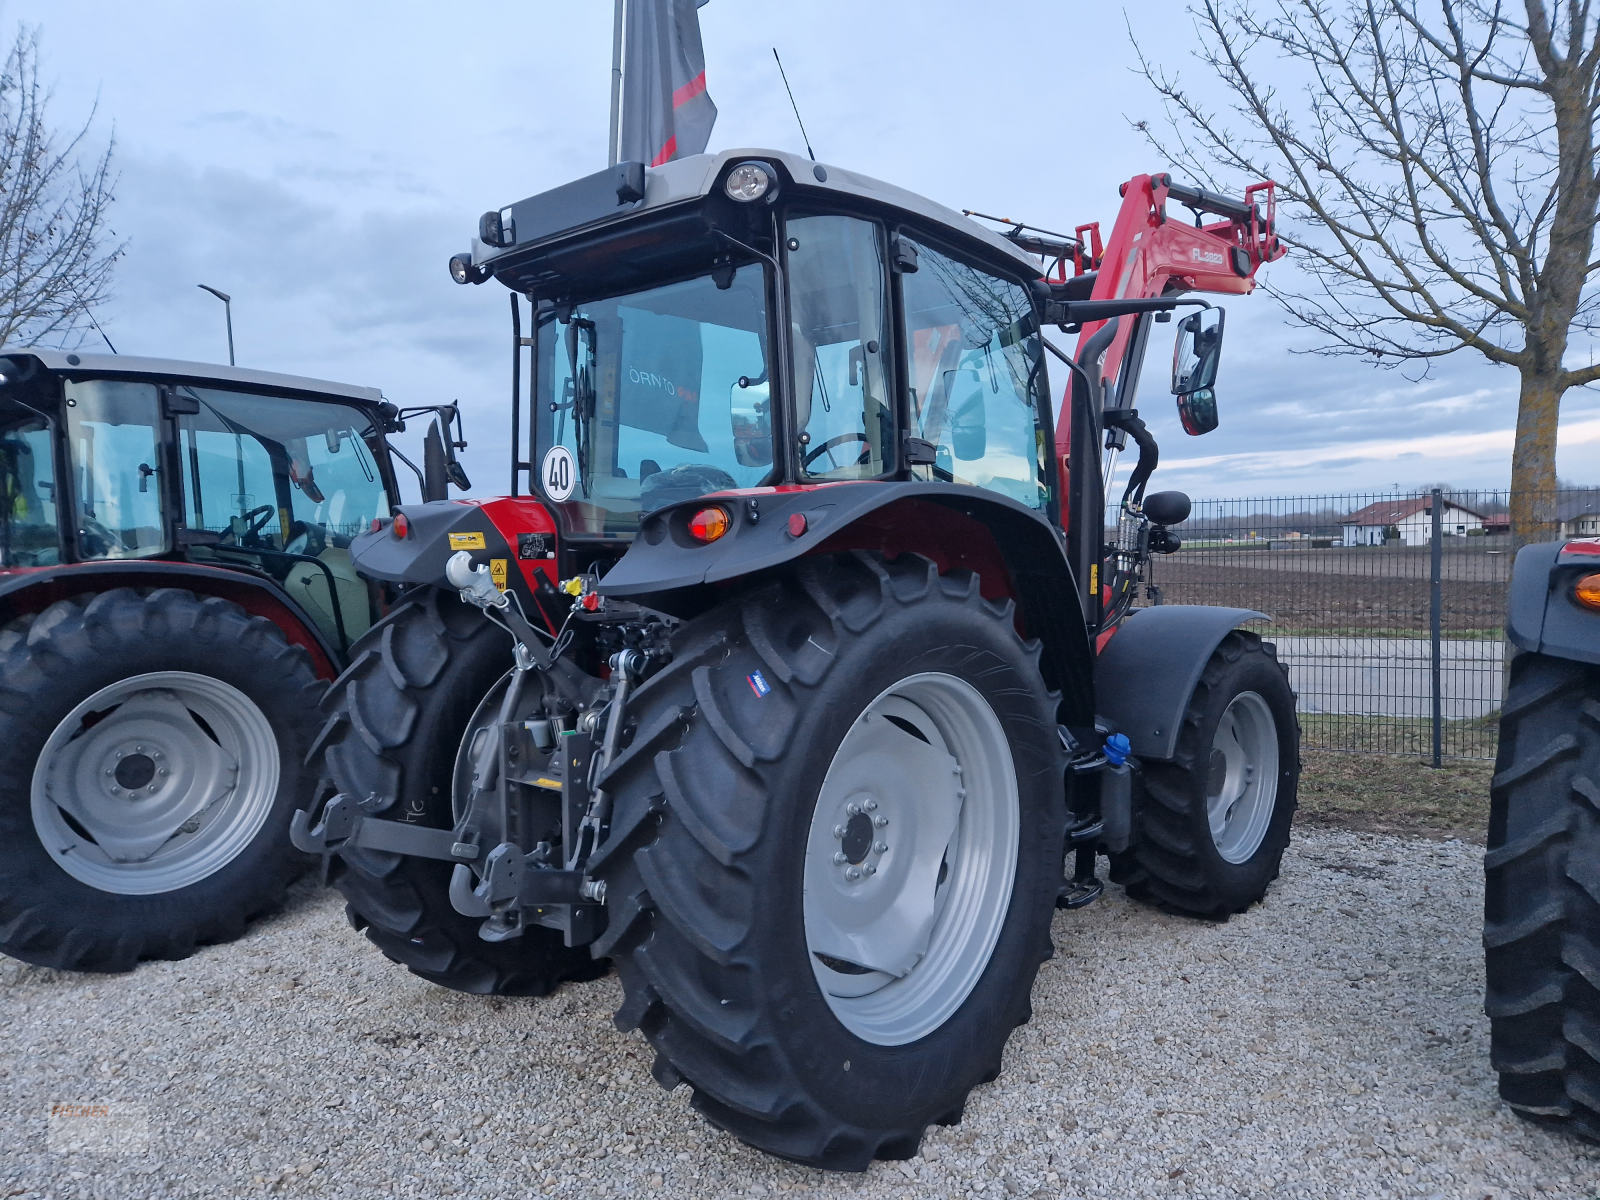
1388, 608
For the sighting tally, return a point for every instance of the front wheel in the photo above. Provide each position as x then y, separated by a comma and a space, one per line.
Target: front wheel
832, 921
1215, 819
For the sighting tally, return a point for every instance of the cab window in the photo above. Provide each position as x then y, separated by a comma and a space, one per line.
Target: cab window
976, 371
112, 435
28, 533
839, 314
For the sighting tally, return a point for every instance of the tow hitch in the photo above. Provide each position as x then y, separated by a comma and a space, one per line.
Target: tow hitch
509, 886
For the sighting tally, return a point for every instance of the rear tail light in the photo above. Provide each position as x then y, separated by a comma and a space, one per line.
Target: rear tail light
708, 524
1587, 592
401, 526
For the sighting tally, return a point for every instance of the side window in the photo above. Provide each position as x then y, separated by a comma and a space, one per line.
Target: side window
839, 314
975, 365
111, 434
28, 536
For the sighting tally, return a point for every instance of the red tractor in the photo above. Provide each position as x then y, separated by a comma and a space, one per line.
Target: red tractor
805, 686
176, 589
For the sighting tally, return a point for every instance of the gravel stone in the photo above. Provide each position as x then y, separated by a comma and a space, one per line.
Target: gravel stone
1329, 1042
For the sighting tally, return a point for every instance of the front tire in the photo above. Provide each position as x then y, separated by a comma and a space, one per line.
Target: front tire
819, 1010
1215, 819
395, 719
1541, 929
151, 751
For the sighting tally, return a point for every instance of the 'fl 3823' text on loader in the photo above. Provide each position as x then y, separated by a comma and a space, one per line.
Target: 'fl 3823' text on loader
806, 684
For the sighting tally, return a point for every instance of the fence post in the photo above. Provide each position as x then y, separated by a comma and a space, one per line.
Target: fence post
1434, 604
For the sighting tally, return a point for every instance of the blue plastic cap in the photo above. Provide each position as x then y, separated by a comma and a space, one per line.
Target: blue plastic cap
1118, 747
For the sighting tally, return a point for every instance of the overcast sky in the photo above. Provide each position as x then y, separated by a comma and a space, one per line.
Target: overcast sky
321, 162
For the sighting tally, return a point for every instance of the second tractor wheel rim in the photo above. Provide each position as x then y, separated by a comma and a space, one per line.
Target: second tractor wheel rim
910, 859
155, 783
1242, 777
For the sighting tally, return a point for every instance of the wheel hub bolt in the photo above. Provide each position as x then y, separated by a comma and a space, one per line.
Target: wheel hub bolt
840, 858
838, 831
880, 822
869, 869
853, 874
852, 808
869, 805
882, 847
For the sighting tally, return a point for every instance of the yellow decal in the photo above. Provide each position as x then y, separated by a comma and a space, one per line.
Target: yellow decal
1094, 579
497, 571
553, 784
469, 541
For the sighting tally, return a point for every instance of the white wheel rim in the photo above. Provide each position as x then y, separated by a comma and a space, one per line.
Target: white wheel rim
132, 795
1242, 777
897, 943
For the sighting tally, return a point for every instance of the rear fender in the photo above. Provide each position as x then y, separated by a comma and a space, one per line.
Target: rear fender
513, 534
1013, 549
36, 589
1148, 670
1542, 615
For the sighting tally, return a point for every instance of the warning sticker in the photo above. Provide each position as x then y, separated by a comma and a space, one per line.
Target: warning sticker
497, 571
467, 541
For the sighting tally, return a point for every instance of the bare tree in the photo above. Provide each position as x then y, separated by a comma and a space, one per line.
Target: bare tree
1441, 157
55, 260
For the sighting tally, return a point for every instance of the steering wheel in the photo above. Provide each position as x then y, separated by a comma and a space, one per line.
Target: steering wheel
835, 442
260, 515
100, 541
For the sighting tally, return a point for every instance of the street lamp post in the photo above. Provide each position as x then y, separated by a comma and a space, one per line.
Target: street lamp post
227, 304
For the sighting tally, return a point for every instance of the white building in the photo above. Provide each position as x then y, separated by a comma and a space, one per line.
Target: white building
1411, 518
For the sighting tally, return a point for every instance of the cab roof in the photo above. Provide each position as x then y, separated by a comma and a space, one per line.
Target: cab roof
68, 361
591, 203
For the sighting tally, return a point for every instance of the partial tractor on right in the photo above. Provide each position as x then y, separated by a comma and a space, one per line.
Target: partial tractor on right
1541, 928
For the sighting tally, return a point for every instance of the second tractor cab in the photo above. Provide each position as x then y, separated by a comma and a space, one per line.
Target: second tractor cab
803, 686
176, 589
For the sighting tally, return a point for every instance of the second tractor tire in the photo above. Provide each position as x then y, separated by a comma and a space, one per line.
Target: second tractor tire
1541, 930
394, 721
102, 912
708, 873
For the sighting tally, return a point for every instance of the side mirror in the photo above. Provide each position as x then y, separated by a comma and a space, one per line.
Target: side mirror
1198, 351
1198, 411
435, 477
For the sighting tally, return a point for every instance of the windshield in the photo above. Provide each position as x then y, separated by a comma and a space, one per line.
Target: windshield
28, 536
652, 397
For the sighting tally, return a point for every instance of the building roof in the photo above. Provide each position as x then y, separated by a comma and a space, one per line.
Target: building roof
192, 372
1392, 512
1574, 507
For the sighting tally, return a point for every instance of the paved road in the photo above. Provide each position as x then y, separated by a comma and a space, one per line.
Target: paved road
1391, 677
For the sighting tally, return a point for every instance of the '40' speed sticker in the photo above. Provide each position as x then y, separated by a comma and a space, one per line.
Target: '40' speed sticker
559, 474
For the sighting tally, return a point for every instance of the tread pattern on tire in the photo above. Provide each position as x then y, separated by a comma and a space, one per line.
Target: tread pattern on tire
1163, 865
1541, 930
391, 725
40, 650
684, 902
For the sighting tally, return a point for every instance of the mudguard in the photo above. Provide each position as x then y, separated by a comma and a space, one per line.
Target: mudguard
498, 532
33, 589
1149, 668
1542, 615
669, 570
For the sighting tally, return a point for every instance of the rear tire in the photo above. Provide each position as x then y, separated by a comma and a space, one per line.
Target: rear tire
175, 727
1541, 929
394, 721
1215, 819
726, 803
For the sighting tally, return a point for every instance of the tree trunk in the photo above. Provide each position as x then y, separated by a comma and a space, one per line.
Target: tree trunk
1533, 459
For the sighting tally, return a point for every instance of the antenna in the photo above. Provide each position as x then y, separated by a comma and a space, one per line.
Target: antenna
803, 135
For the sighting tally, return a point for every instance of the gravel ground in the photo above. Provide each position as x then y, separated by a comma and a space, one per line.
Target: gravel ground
1329, 1042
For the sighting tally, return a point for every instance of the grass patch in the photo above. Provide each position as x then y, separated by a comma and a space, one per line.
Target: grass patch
1381, 793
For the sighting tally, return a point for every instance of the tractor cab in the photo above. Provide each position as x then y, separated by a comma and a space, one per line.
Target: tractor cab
116, 459
753, 320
